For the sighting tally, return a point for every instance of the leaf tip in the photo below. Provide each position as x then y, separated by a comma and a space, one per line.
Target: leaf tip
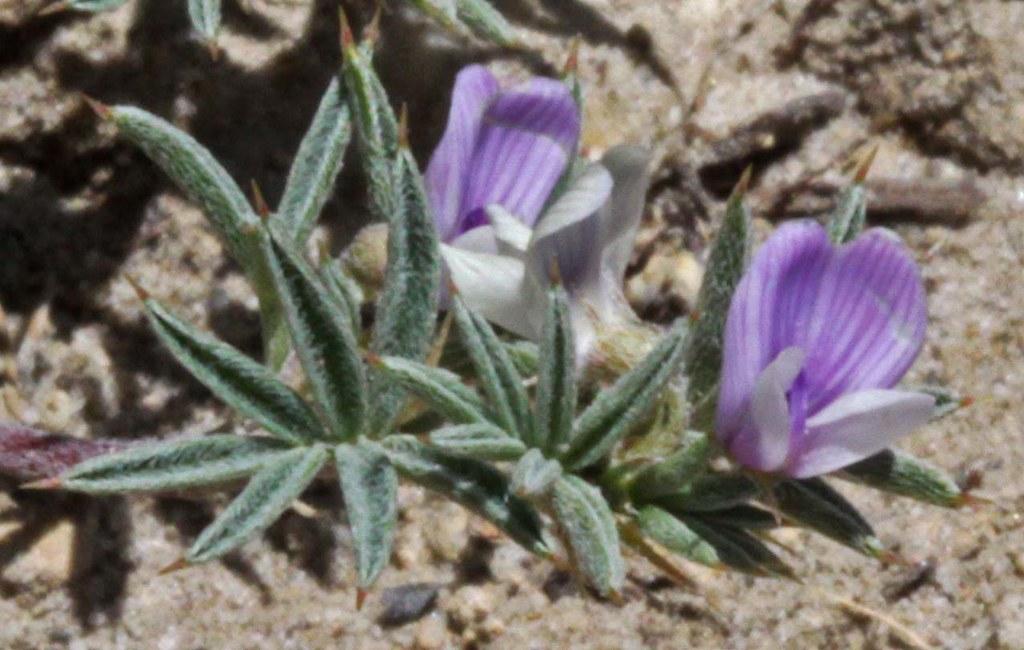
864, 165
743, 185
102, 110
43, 485
214, 49
139, 291
258, 202
554, 273
371, 33
55, 8
403, 127
173, 567
573, 59
374, 359
348, 41
361, 595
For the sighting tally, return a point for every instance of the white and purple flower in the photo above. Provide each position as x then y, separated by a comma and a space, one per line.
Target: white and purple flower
816, 338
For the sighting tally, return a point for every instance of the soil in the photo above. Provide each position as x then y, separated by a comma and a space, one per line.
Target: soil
792, 87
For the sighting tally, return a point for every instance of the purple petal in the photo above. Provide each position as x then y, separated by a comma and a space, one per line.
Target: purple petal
868, 322
769, 313
526, 141
475, 88
858, 425
764, 445
31, 455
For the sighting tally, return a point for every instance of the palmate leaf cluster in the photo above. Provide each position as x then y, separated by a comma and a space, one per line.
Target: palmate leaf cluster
555, 461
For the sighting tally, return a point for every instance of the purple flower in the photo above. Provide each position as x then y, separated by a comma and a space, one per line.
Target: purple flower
816, 337
505, 147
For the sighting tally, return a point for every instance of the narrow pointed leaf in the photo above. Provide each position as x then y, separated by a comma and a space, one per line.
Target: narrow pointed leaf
814, 504
407, 308
726, 263
28, 455
476, 485
346, 292
589, 527
443, 11
739, 550
323, 339
174, 465
900, 473
534, 475
676, 471
95, 5
673, 534
241, 383
525, 356
205, 17
369, 485
441, 389
850, 214
615, 411
498, 377
486, 22
268, 494
556, 384
482, 441
316, 165
743, 516
710, 492
946, 401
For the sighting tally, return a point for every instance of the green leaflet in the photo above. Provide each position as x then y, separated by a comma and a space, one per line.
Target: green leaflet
743, 516
674, 472
443, 390
676, 536
589, 527
269, 493
498, 377
525, 356
850, 214
486, 22
738, 549
482, 441
316, 165
443, 11
323, 340
813, 503
900, 473
175, 465
476, 485
407, 308
710, 492
556, 385
616, 410
94, 5
205, 17
234, 378
726, 263
347, 294
534, 475
369, 485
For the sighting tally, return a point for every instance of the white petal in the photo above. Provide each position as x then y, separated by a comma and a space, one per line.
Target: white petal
482, 239
770, 408
629, 167
512, 235
858, 425
494, 286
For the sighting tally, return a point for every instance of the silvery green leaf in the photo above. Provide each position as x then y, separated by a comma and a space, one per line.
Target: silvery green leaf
710, 492
486, 21
269, 493
407, 308
673, 534
616, 410
93, 5
347, 293
726, 263
238, 381
589, 527
525, 355
814, 504
900, 473
369, 485
443, 11
675, 472
205, 17
738, 549
323, 339
556, 382
534, 475
174, 465
498, 377
476, 485
316, 165
482, 441
441, 389
850, 214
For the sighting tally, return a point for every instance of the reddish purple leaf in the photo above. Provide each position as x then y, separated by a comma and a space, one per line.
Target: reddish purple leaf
30, 455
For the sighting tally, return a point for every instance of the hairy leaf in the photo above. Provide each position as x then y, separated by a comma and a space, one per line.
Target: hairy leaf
482, 441
28, 455
534, 475
900, 473
443, 390
94, 5
676, 536
474, 484
174, 465
369, 485
525, 355
710, 492
738, 549
589, 527
616, 410
316, 165
205, 17
850, 214
269, 493
743, 516
347, 294
813, 503
237, 380
556, 385
676, 471
486, 21
323, 339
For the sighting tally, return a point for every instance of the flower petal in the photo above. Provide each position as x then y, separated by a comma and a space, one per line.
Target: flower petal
868, 322
494, 286
512, 235
524, 145
475, 88
764, 444
629, 167
769, 312
858, 425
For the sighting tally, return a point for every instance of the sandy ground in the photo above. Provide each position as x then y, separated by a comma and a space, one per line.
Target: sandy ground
934, 82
